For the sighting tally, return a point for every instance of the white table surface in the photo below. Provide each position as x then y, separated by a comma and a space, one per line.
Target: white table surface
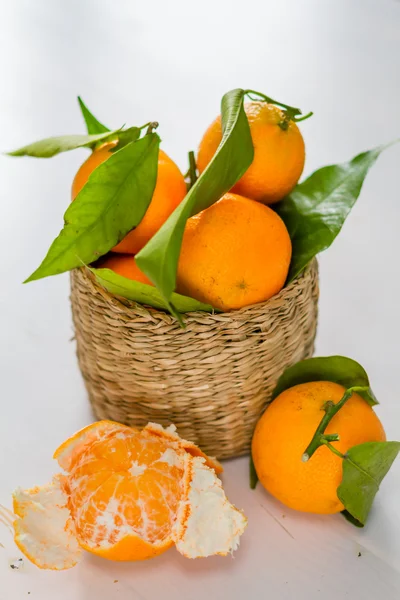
172, 60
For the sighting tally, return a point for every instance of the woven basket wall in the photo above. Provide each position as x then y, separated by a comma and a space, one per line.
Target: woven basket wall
212, 379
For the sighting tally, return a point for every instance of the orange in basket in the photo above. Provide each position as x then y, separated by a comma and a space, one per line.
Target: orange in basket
169, 192
279, 153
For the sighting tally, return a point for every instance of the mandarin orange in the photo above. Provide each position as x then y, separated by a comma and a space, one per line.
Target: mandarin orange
279, 153
235, 253
126, 495
284, 432
169, 192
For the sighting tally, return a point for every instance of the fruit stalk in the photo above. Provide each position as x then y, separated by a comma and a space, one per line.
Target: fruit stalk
192, 169
151, 127
292, 109
320, 438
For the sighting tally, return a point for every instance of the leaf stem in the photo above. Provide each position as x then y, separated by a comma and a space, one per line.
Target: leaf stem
330, 411
331, 448
304, 117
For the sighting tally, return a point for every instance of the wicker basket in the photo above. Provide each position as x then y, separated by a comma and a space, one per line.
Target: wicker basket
212, 379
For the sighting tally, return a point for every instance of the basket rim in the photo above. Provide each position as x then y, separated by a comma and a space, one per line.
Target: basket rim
124, 304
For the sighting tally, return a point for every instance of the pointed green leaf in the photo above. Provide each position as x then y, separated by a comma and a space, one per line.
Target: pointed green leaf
339, 369
316, 209
364, 467
159, 258
93, 125
145, 294
64, 143
112, 202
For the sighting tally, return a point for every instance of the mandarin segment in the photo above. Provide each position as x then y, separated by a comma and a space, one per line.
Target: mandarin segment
75, 445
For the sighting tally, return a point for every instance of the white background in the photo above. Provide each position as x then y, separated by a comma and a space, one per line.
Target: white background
171, 61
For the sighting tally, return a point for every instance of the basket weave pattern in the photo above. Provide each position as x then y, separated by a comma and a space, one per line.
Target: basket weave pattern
212, 379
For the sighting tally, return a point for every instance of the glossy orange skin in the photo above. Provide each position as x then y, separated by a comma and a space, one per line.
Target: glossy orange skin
284, 432
95, 159
169, 192
125, 265
235, 253
279, 155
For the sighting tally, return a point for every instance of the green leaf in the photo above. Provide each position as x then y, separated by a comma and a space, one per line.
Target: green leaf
126, 136
159, 258
339, 369
64, 143
316, 210
252, 473
112, 202
351, 519
364, 467
143, 293
93, 125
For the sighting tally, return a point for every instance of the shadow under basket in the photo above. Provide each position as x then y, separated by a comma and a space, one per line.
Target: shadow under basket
212, 379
